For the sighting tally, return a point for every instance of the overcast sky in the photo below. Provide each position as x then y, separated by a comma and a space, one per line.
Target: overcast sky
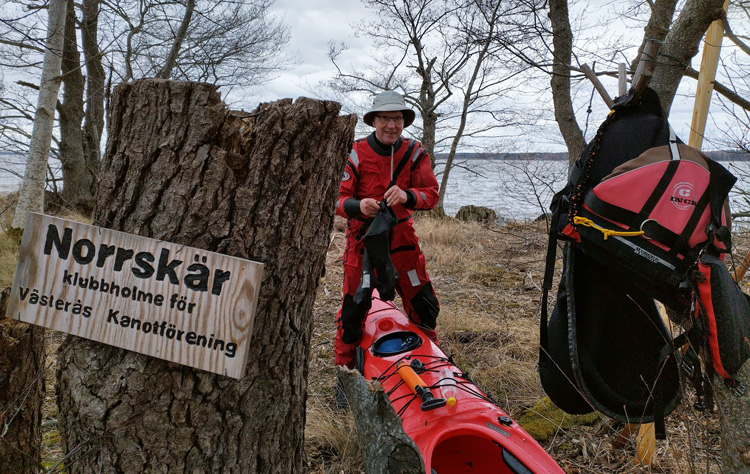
313, 24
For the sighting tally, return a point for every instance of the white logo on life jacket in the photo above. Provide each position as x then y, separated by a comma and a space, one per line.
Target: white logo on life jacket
346, 176
683, 196
646, 255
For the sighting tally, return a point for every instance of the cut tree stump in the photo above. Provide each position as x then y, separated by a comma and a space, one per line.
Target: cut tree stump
183, 168
21, 394
386, 449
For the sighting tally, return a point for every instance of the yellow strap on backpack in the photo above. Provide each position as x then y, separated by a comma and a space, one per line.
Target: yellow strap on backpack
578, 220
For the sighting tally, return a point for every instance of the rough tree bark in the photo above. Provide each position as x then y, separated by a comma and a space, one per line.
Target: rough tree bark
562, 42
21, 389
681, 44
93, 124
426, 103
181, 167
657, 27
77, 192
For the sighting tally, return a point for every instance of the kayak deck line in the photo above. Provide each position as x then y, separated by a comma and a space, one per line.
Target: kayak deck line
473, 436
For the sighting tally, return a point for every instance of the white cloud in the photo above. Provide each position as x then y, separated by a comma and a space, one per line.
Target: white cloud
312, 26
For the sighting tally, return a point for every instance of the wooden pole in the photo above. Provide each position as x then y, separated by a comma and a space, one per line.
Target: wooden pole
645, 445
742, 269
733, 407
622, 80
706, 76
645, 441
704, 90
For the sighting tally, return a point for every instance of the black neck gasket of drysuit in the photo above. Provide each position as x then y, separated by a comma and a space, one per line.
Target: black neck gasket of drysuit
381, 148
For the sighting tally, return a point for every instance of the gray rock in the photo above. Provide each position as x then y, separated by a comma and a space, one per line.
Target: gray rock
483, 215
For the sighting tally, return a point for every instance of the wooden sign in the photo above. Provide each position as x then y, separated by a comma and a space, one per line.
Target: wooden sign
174, 302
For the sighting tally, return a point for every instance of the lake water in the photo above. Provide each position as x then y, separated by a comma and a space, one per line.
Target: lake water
522, 190
514, 189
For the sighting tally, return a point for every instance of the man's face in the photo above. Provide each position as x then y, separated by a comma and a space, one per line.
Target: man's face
388, 126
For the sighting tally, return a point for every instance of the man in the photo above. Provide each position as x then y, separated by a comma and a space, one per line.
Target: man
385, 167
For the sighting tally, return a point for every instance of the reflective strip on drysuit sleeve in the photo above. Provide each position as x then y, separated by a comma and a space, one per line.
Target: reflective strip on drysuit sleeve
413, 277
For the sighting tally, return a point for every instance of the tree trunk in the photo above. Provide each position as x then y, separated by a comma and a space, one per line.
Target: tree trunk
31, 196
95, 77
562, 42
657, 28
735, 424
429, 129
681, 44
78, 182
181, 167
426, 103
21, 389
174, 52
470, 94
22, 346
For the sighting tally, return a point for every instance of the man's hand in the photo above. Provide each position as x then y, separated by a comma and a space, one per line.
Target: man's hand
395, 195
369, 207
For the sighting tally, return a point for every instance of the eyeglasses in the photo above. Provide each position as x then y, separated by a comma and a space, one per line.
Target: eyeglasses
385, 119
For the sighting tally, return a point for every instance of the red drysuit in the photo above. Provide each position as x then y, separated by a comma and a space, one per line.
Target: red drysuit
368, 175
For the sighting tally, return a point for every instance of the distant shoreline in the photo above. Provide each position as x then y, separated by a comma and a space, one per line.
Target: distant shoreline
717, 155
8, 159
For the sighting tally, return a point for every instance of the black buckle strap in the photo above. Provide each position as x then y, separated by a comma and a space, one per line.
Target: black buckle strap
718, 187
402, 163
682, 245
659, 190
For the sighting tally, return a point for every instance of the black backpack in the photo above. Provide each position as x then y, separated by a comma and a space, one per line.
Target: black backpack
606, 346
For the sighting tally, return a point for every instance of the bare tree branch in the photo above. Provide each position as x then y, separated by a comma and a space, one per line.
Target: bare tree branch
720, 88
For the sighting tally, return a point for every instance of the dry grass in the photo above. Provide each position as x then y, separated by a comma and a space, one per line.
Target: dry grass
8, 244
488, 283
52, 449
52, 446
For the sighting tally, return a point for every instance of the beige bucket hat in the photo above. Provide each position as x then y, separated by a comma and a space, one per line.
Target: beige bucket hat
389, 101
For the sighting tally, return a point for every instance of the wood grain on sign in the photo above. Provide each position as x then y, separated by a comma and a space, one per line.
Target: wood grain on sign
178, 303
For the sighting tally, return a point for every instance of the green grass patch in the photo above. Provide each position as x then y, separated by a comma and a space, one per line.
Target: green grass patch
544, 419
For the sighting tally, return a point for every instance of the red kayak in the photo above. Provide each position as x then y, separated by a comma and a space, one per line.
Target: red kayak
453, 423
